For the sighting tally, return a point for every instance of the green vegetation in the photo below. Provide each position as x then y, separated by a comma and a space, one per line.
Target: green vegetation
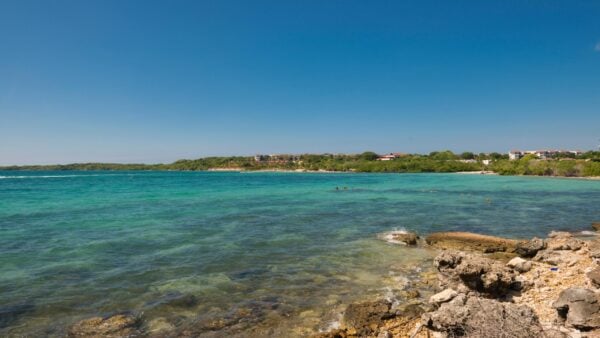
587, 164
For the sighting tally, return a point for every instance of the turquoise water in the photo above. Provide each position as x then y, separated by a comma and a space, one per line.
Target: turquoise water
266, 253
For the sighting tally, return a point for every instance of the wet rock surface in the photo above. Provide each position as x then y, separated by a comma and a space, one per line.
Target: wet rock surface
367, 316
408, 238
121, 325
470, 242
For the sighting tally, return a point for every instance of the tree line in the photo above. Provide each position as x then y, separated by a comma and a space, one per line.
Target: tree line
586, 164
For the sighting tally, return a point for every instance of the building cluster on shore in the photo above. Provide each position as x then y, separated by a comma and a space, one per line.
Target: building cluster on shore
541, 154
277, 158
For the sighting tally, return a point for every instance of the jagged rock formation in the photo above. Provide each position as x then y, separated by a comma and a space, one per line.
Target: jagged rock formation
530, 248
470, 316
471, 273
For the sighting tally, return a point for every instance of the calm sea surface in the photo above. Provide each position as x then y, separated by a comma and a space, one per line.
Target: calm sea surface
243, 252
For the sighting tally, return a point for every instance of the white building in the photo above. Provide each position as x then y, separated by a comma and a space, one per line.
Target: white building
515, 155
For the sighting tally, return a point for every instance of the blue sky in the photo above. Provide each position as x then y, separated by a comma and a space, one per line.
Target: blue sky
150, 81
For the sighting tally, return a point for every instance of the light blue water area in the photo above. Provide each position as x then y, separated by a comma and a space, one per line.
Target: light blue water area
78, 244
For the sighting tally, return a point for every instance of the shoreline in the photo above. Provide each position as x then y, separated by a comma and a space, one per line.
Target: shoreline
493, 287
309, 171
478, 285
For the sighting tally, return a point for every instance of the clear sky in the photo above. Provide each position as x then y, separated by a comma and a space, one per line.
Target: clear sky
156, 81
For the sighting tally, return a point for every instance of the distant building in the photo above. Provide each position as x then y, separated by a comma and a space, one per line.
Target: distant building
486, 162
515, 155
261, 158
541, 154
390, 156
278, 158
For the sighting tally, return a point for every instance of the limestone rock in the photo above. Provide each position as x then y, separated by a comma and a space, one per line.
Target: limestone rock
470, 242
594, 247
442, 297
458, 269
564, 243
520, 264
559, 234
596, 226
121, 325
530, 248
556, 257
579, 308
594, 277
480, 317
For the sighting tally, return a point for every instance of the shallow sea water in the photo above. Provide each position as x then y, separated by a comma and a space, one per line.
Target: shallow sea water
249, 254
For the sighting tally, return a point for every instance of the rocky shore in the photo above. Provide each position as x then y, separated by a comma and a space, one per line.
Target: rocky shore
494, 287
481, 286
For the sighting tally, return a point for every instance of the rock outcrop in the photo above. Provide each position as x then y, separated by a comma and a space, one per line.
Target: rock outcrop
530, 248
479, 317
579, 308
467, 272
520, 264
563, 241
594, 277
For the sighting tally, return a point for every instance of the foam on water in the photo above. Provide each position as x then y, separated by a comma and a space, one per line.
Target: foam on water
60, 176
389, 236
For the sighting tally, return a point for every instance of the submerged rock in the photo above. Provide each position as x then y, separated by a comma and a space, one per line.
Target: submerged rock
366, 316
579, 308
520, 264
470, 242
480, 317
530, 248
468, 272
121, 325
11, 313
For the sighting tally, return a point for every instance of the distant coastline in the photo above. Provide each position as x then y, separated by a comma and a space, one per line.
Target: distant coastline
564, 165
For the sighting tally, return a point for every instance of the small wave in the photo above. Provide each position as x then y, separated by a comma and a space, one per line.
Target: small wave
588, 233
389, 236
59, 176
